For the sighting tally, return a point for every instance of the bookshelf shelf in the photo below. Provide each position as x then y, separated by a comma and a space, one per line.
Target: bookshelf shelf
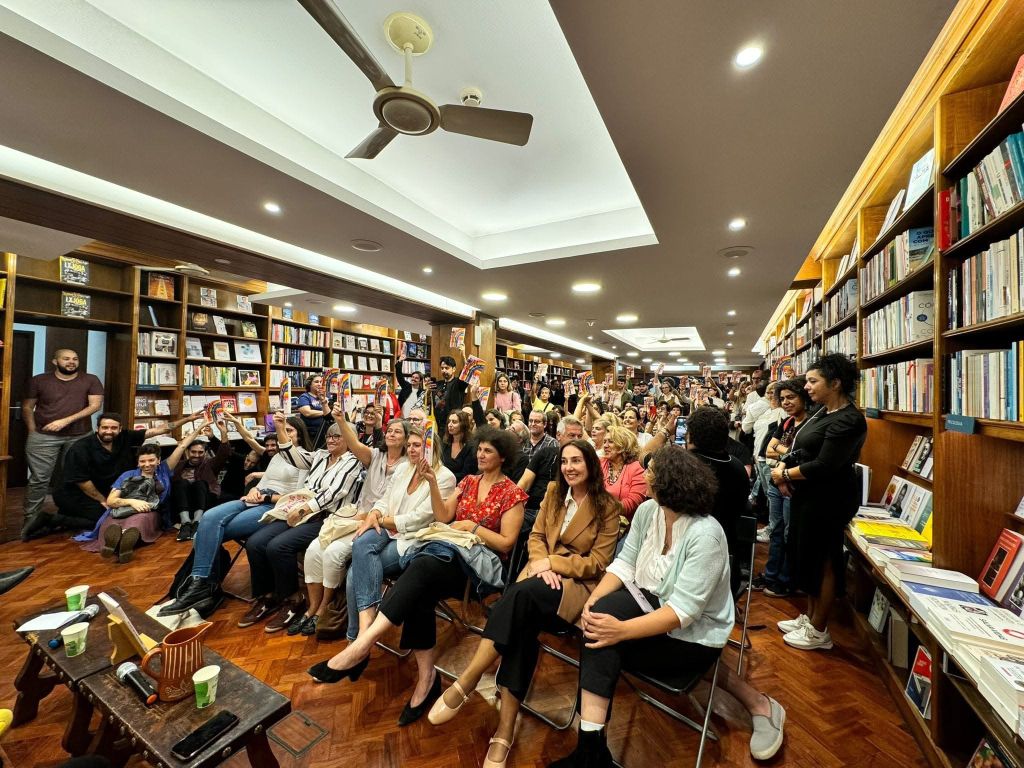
190, 388
1007, 740
143, 299
73, 287
896, 353
294, 345
225, 312
50, 318
907, 417
300, 324
805, 345
999, 127
914, 476
999, 324
840, 282
368, 352
156, 388
919, 214
1007, 430
164, 328
998, 229
297, 367
920, 279
208, 335
850, 319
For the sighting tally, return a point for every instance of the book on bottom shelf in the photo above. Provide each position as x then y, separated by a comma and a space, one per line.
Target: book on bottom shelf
879, 611
987, 755
919, 683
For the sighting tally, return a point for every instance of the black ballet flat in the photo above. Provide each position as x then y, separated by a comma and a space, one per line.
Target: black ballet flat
324, 674
411, 714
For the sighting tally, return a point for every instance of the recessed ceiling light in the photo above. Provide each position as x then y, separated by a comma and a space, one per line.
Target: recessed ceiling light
493, 296
316, 301
748, 56
536, 314
717, 352
730, 333
626, 317
287, 303
586, 287
734, 272
731, 313
647, 360
344, 308
684, 359
428, 270
223, 261
591, 338
632, 354
556, 355
737, 224
555, 322
673, 354
580, 360
615, 346
368, 246
728, 344
271, 207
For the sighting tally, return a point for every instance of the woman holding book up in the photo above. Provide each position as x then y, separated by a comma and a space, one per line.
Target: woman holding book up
819, 475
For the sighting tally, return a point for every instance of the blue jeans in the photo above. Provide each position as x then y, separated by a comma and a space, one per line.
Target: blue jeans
374, 556
776, 570
230, 520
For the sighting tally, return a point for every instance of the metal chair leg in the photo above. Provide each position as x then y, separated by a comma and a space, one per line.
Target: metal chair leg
238, 554
644, 696
707, 715
746, 611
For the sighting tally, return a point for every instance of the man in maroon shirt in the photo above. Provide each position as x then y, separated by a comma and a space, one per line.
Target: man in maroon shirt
56, 413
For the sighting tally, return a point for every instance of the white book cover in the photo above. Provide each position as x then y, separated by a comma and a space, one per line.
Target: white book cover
879, 611
973, 624
1004, 674
924, 573
920, 177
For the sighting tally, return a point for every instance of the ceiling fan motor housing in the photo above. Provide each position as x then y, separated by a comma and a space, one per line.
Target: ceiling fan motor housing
407, 111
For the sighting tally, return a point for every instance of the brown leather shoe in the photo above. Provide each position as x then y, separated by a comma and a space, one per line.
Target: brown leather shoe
291, 610
259, 610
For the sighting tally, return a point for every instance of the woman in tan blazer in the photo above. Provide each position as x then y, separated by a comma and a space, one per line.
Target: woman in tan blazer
571, 544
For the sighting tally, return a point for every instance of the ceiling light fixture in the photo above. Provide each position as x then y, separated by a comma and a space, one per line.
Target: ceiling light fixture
734, 272
223, 261
555, 322
731, 313
271, 207
684, 360
626, 317
346, 308
728, 344
737, 224
748, 56
590, 338
367, 246
493, 296
730, 333
287, 303
718, 352
673, 354
556, 355
580, 361
632, 354
647, 360
586, 287
428, 270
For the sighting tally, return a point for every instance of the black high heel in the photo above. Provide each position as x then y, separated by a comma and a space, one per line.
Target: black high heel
324, 674
411, 714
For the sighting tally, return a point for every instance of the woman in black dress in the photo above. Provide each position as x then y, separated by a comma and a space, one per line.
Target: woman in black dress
819, 473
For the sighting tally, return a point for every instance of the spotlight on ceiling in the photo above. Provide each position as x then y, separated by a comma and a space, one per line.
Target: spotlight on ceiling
737, 224
271, 207
749, 56
586, 287
346, 308
626, 317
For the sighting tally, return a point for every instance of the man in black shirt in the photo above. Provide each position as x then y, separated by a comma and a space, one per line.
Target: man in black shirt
451, 391
708, 437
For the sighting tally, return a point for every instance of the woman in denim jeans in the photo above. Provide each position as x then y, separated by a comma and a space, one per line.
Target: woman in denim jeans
794, 401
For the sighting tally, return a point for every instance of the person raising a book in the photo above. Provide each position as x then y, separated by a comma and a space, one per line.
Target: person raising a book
312, 406
819, 470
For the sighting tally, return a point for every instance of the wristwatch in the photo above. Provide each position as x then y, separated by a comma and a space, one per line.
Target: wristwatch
268, 498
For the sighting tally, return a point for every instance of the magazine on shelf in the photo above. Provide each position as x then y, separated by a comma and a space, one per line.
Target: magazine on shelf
879, 611
219, 325
194, 347
247, 352
164, 344
201, 322
160, 286
1001, 561
221, 350
207, 296
249, 329
919, 684
74, 270
243, 303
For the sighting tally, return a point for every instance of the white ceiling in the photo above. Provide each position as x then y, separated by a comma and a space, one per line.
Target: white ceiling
217, 67
701, 141
36, 242
659, 340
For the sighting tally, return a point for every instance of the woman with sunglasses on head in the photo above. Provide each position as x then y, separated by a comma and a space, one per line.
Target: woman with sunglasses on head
572, 542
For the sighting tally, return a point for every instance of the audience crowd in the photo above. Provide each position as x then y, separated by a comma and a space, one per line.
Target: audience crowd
613, 513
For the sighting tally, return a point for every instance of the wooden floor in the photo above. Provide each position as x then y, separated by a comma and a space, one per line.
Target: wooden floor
839, 713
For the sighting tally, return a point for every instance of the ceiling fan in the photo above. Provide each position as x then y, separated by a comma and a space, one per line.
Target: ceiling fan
665, 339
400, 108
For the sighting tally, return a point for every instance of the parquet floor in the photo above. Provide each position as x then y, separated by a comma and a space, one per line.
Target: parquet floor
839, 713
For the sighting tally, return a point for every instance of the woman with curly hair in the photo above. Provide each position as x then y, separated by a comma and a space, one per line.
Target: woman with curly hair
572, 542
623, 475
457, 454
818, 473
664, 607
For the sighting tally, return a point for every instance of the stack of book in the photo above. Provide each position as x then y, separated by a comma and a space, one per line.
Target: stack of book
919, 459
986, 383
908, 319
157, 374
908, 252
844, 341
292, 356
290, 334
841, 303
988, 285
905, 386
992, 188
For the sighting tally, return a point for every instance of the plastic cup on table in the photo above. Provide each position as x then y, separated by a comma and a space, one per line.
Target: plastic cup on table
74, 638
76, 597
205, 680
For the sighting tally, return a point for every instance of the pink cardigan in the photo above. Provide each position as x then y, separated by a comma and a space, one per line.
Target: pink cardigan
507, 402
629, 488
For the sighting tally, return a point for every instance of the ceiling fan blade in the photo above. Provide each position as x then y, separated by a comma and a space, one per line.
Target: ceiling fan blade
493, 124
328, 16
373, 144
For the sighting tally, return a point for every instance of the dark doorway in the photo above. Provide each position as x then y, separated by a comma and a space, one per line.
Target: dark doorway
21, 372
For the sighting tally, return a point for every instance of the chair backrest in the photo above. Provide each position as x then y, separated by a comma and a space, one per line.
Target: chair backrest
746, 530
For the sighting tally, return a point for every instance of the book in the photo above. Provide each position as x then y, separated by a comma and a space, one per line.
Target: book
249, 329
200, 322
249, 378
142, 406
919, 683
247, 402
221, 350
313, 319
923, 573
193, 347
249, 422
247, 352
920, 177
219, 325
1014, 87
375, 345
987, 756
894, 210
981, 626
207, 296
286, 313
999, 562
162, 407
152, 315
75, 304
363, 344
243, 303
164, 344
879, 611
160, 286
74, 270
229, 403
913, 450
143, 344
898, 639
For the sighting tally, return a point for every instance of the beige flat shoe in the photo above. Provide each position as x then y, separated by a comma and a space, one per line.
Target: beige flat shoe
441, 713
508, 751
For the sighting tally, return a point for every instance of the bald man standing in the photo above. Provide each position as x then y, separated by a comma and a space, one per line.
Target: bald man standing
56, 413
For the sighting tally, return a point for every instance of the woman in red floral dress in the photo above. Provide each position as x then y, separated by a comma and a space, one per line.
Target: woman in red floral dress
490, 507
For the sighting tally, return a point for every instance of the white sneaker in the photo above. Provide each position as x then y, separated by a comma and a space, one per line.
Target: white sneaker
763, 536
789, 625
807, 638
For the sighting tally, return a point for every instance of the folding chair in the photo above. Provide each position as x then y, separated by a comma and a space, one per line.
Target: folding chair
746, 533
545, 648
705, 730
223, 578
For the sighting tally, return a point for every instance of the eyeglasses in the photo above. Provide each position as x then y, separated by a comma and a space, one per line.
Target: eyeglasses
333, 437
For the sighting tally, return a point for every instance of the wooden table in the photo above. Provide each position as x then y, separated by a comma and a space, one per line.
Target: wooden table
33, 686
129, 727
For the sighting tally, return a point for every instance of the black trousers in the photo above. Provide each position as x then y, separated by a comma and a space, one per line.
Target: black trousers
191, 496
676, 662
75, 509
273, 553
410, 603
516, 620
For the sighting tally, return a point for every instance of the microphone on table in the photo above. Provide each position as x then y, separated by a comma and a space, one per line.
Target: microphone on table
88, 613
129, 674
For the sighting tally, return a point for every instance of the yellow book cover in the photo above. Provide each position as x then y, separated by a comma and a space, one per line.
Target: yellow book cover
927, 532
3, 291
873, 528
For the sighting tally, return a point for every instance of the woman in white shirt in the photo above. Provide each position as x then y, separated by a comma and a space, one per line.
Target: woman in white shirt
385, 534
664, 607
631, 421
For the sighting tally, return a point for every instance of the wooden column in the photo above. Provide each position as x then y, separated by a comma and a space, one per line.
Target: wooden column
485, 350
